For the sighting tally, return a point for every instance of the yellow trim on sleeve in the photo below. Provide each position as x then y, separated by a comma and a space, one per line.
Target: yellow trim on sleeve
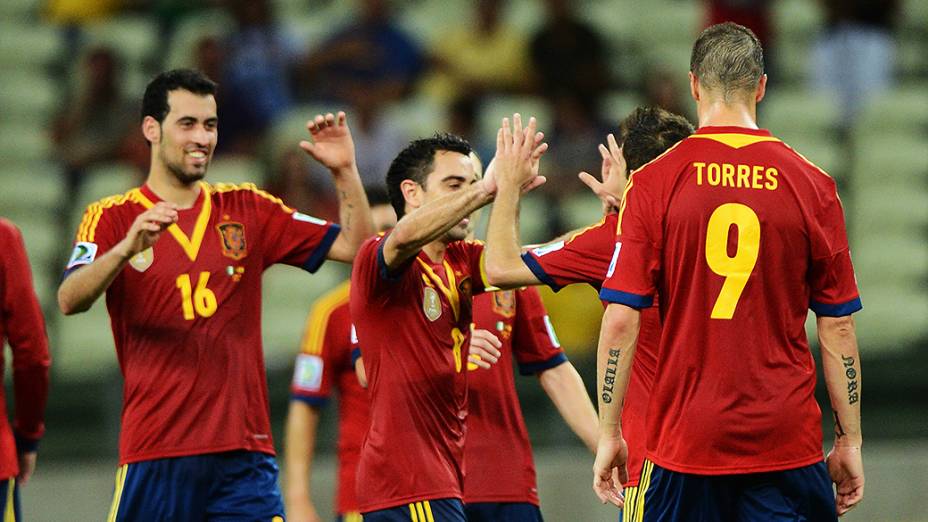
220, 188
628, 186
317, 322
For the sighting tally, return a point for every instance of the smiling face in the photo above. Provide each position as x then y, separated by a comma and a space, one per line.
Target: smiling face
453, 172
184, 142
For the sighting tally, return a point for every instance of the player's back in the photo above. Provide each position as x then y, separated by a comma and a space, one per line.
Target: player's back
743, 221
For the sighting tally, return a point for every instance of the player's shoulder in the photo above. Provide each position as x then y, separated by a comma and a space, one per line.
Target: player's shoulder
117, 202
244, 192
815, 174
466, 247
677, 154
8, 228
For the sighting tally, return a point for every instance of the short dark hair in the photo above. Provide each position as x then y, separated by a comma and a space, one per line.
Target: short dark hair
415, 163
648, 132
155, 100
729, 58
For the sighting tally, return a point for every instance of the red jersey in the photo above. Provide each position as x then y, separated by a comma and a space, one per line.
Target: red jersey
585, 258
740, 235
186, 315
22, 324
326, 361
414, 327
498, 453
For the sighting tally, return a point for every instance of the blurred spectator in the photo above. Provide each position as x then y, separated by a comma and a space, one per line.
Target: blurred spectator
568, 55
855, 54
376, 138
373, 55
462, 121
486, 56
576, 133
663, 89
302, 189
255, 82
756, 15
95, 125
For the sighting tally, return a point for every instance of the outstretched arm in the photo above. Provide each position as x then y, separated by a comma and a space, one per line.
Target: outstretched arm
333, 147
841, 366
85, 285
617, 339
565, 388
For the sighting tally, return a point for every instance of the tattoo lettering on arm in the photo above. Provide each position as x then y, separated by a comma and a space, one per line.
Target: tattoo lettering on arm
839, 430
609, 377
851, 373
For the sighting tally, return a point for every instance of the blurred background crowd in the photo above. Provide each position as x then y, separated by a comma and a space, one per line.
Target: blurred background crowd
848, 89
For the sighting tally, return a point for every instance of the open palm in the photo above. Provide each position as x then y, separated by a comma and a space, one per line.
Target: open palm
331, 143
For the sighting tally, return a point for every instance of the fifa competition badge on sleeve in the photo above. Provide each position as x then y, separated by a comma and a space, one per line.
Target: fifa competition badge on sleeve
83, 254
308, 374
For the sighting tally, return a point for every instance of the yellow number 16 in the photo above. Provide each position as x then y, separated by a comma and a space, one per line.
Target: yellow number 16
202, 299
735, 269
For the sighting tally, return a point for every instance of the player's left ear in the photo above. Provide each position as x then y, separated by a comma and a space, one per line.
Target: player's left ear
761, 89
151, 129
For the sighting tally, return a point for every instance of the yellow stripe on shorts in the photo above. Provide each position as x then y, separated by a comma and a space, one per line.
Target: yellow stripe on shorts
117, 494
9, 514
628, 511
428, 512
643, 490
412, 513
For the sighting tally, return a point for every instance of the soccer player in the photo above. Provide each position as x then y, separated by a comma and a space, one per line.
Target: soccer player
411, 305
22, 324
741, 235
584, 256
327, 361
181, 261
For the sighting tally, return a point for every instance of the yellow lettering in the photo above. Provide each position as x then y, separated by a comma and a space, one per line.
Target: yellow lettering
743, 172
771, 179
699, 166
728, 175
756, 173
714, 174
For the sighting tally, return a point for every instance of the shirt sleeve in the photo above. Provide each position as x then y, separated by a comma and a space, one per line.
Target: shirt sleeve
100, 229
831, 277
631, 278
582, 258
477, 266
370, 278
295, 239
534, 343
25, 331
316, 365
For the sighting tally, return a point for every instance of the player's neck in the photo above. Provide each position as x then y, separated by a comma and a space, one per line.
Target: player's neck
167, 187
717, 113
435, 250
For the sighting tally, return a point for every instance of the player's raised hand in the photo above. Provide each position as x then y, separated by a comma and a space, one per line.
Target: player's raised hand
518, 152
609, 470
614, 174
846, 467
484, 348
331, 144
147, 228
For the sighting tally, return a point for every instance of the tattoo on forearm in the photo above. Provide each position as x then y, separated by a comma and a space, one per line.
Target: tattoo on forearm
609, 377
851, 373
839, 430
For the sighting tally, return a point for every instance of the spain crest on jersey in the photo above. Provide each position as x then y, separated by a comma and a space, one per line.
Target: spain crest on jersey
504, 303
232, 236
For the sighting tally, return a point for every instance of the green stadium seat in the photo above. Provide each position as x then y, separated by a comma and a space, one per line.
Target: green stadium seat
20, 10
28, 96
427, 21
190, 30
29, 188
287, 297
290, 129
889, 159
533, 219
44, 244
580, 210
83, 343
792, 112
902, 110
892, 207
236, 170
618, 104
27, 45
418, 116
135, 38
883, 256
23, 143
893, 316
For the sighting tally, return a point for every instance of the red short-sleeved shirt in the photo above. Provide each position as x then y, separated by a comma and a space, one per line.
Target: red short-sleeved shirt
185, 315
325, 362
498, 454
740, 235
585, 258
414, 328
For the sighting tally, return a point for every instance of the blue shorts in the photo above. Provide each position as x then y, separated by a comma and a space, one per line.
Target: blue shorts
795, 495
9, 502
442, 510
502, 512
236, 485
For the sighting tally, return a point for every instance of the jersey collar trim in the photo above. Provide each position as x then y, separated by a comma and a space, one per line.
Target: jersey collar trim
190, 245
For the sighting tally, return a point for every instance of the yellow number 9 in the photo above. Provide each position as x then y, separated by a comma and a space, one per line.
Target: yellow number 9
736, 270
